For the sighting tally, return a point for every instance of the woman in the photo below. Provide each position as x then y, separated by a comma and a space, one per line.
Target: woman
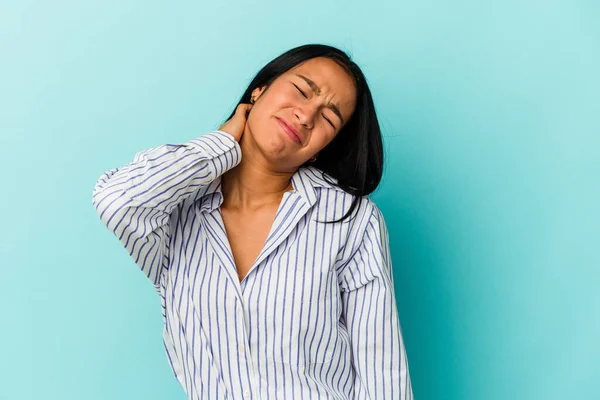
271, 261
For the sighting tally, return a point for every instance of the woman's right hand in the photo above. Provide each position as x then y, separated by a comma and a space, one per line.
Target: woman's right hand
235, 125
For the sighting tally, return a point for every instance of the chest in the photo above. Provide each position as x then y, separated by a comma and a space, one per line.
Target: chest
247, 234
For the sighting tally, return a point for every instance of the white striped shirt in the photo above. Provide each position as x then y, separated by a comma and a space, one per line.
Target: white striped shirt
315, 317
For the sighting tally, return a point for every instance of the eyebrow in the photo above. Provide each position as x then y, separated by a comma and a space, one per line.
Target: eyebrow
317, 91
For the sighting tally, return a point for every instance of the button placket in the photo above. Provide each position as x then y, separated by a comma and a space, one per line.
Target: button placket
247, 354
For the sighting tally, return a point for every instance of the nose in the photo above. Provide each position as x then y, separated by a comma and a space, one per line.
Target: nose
306, 114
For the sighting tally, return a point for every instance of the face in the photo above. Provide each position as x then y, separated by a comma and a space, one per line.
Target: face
315, 100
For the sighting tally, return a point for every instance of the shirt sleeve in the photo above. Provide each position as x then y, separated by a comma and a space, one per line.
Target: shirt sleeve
135, 201
370, 313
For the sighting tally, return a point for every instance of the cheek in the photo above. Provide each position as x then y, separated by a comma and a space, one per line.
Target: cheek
257, 118
320, 140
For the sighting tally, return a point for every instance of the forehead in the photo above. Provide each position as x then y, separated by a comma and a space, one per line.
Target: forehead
335, 83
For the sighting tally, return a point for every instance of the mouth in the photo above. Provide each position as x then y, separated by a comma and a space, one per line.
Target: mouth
290, 130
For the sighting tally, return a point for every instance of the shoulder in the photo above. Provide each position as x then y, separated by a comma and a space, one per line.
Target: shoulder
335, 199
368, 215
367, 226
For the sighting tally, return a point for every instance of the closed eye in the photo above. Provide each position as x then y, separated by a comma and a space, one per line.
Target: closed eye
300, 90
326, 119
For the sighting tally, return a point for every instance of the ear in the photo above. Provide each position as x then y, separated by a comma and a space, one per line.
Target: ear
258, 91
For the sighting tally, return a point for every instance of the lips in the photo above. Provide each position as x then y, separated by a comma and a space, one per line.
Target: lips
290, 128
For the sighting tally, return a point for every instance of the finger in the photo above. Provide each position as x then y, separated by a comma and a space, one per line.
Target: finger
243, 108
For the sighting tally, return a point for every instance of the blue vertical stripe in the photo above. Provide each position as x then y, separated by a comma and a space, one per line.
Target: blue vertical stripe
315, 317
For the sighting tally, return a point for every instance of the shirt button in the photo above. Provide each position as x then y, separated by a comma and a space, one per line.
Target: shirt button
247, 394
242, 348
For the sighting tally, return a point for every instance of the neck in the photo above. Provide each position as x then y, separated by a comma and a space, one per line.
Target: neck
252, 185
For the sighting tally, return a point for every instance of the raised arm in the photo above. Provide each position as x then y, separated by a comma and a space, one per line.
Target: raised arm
136, 201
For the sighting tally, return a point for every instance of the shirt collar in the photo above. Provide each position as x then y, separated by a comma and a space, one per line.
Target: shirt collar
305, 182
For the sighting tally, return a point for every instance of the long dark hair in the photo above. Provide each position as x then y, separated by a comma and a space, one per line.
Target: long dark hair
355, 156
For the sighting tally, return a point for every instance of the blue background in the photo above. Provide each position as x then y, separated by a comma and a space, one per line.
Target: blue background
491, 117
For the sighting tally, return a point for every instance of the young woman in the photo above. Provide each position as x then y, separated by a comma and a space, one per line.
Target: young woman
271, 261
